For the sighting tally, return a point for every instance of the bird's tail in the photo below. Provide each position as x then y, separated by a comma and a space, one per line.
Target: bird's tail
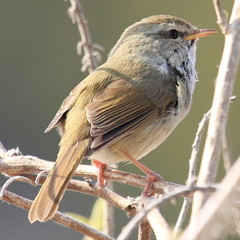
47, 201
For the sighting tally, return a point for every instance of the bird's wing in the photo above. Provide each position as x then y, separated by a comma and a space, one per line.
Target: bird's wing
121, 109
65, 106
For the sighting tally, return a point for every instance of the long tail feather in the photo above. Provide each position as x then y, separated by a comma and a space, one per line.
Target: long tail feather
47, 201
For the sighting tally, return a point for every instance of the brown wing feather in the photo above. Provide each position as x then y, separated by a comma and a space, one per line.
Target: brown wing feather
65, 106
118, 111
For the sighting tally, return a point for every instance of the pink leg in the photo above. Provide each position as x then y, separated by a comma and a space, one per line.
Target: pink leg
100, 167
151, 176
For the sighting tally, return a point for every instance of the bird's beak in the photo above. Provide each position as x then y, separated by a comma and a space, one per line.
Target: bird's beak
200, 33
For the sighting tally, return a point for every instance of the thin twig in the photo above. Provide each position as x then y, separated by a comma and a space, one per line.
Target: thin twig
144, 230
195, 149
209, 216
228, 162
89, 60
108, 216
226, 148
220, 109
3, 152
192, 171
165, 199
11, 180
59, 217
31, 165
221, 16
181, 217
10, 153
157, 222
91, 188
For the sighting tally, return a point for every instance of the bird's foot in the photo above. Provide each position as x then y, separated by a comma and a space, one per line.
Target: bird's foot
102, 183
151, 177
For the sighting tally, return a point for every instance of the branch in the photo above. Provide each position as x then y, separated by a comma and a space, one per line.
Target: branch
160, 202
31, 166
144, 230
192, 171
226, 148
15, 164
157, 222
89, 61
59, 217
221, 16
215, 210
193, 163
108, 214
227, 152
220, 108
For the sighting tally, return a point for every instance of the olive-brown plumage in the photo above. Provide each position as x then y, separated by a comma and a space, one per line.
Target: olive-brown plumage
126, 107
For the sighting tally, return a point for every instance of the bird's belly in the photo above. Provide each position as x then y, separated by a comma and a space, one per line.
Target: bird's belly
141, 143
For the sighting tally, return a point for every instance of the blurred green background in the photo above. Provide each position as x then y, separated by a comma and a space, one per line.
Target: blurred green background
39, 66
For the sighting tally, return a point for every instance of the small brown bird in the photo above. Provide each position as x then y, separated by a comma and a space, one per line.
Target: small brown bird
126, 107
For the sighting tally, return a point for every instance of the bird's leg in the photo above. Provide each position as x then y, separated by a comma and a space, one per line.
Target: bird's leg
100, 167
151, 176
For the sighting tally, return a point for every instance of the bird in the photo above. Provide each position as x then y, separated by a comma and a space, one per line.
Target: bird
126, 107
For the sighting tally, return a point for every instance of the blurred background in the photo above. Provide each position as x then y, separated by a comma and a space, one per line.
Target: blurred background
40, 66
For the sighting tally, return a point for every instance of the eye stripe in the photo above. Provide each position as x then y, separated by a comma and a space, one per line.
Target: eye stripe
165, 34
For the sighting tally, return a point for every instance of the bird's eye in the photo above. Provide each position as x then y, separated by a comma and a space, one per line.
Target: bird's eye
173, 34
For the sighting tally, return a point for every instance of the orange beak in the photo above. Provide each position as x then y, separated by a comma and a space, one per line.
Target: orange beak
200, 33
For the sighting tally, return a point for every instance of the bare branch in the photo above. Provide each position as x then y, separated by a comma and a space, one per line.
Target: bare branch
166, 198
157, 222
90, 187
236, 215
193, 163
12, 179
226, 148
226, 152
144, 230
216, 205
228, 162
3, 152
108, 216
30, 166
221, 16
89, 60
181, 217
195, 149
192, 171
220, 108
59, 217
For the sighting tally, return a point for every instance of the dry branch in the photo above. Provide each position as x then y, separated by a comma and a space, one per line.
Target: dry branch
159, 202
91, 55
59, 217
220, 106
158, 223
144, 230
216, 208
31, 166
191, 171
